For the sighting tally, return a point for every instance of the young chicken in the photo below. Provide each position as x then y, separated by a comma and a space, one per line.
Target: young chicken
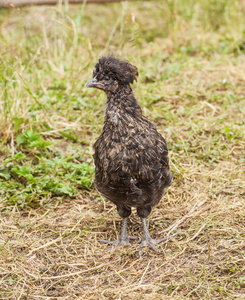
131, 157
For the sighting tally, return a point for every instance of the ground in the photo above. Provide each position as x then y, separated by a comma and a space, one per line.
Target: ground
191, 61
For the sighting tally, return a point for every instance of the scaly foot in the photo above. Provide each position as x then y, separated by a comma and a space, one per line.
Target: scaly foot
149, 242
123, 239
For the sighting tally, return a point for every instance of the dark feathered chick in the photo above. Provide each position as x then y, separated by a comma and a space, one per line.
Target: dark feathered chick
131, 157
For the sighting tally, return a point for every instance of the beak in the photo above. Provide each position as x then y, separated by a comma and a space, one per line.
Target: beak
93, 83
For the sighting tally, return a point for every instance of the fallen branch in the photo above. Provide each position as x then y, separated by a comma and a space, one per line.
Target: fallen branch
22, 3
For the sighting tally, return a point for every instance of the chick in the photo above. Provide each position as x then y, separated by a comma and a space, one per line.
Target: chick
131, 157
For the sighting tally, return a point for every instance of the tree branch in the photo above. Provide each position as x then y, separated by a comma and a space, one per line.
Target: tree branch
22, 3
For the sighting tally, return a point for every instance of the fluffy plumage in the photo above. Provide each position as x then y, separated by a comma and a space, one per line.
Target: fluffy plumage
131, 157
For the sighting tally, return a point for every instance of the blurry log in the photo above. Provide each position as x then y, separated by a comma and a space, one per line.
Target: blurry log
21, 3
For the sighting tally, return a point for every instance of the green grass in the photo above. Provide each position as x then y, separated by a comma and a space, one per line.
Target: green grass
191, 57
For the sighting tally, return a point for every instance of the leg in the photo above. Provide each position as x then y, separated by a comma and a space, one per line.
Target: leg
147, 239
123, 238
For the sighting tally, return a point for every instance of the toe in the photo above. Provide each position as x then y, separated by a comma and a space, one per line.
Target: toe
148, 243
106, 241
133, 237
159, 240
116, 243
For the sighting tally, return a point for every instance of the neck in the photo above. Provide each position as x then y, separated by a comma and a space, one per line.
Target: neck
123, 100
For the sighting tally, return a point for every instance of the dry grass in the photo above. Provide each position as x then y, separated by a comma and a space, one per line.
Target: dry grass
191, 85
55, 254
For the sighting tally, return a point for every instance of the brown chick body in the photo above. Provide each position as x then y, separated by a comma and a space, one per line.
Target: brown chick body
131, 157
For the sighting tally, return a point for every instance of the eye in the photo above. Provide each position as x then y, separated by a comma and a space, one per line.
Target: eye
107, 78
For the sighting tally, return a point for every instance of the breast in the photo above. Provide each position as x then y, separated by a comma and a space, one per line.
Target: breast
134, 155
